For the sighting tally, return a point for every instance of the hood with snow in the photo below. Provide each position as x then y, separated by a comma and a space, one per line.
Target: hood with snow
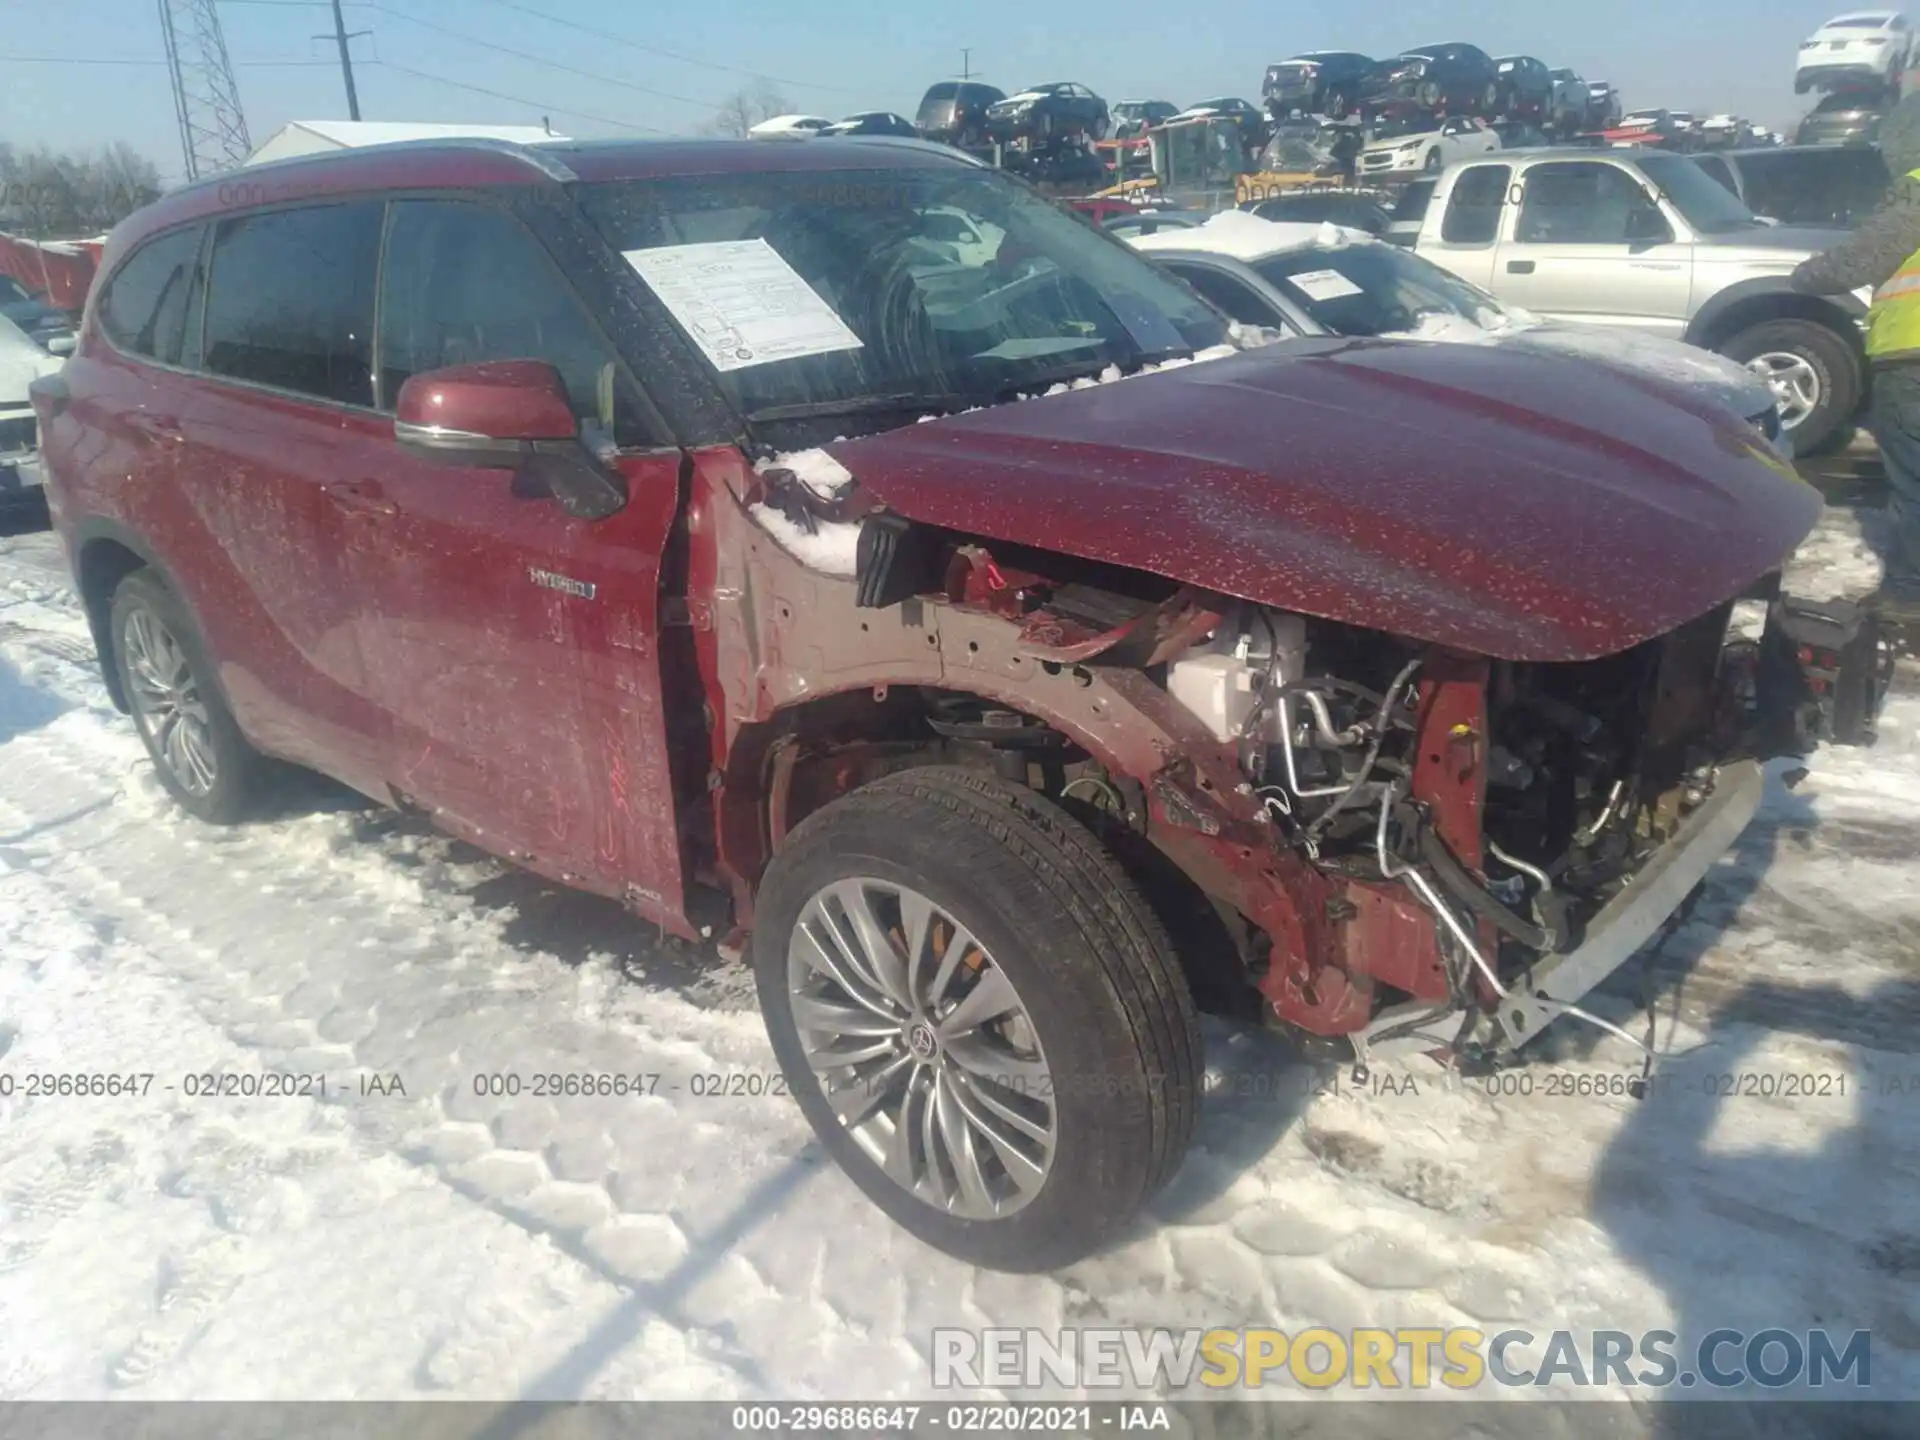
1457, 495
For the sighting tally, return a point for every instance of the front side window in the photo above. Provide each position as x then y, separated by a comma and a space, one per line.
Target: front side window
144, 311
290, 300
835, 290
1583, 203
466, 283
1473, 210
1718, 171
1708, 208
1228, 295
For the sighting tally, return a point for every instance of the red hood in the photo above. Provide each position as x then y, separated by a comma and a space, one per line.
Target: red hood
1517, 505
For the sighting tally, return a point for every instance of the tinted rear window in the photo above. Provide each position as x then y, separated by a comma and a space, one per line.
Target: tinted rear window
1473, 210
144, 311
1815, 187
1412, 205
290, 302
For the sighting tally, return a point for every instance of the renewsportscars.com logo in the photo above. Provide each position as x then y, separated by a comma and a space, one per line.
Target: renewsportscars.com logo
1168, 1361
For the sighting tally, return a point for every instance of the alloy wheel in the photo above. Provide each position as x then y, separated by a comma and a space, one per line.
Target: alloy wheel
1794, 382
166, 701
922, 1047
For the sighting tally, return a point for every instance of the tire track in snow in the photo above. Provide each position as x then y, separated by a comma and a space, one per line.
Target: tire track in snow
276, 1007
1353, 1216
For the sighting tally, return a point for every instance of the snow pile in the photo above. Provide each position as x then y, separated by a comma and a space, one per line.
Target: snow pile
1112, 374
1838, 560
833, 548
815, 469
1245, 236
1446, 327
1252, 337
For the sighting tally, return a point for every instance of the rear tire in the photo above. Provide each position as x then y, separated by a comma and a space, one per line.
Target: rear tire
197, 749
1099, 991
1836, 374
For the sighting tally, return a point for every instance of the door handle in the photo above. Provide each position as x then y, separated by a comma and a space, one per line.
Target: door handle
1519, 267
360, 497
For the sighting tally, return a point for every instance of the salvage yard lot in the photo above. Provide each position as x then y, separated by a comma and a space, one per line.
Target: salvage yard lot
420, 1230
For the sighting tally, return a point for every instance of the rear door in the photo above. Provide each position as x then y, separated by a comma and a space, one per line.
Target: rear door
118, 441
515, 648
274, 440
1587, 242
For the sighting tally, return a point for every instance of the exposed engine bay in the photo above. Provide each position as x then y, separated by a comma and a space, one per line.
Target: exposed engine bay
1415, 847
1548, 803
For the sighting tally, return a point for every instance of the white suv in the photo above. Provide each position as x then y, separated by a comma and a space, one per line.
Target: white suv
1649, 241
1873, 45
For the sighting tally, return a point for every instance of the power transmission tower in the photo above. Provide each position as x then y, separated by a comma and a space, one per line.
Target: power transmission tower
213, 131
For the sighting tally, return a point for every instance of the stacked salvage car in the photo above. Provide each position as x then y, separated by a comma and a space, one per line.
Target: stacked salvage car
1857, 62
1454, 79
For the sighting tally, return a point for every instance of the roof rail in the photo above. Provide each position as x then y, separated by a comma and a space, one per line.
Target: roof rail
549, 166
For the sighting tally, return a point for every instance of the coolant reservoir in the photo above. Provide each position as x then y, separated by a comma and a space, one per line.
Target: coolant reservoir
1221, 680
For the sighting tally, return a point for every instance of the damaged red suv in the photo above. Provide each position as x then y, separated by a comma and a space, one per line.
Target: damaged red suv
841, 550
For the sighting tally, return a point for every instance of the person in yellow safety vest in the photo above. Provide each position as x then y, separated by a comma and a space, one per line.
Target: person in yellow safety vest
1884, 252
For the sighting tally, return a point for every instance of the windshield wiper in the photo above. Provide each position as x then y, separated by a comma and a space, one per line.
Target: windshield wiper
861, 405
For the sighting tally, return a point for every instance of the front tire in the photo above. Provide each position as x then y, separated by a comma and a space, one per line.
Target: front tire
197, 749
1815, 375
979, 1014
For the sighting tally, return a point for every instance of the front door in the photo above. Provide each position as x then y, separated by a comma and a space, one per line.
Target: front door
515, 647
1590, 243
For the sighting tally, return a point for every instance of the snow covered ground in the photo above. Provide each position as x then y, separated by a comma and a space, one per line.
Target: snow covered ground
404, 1236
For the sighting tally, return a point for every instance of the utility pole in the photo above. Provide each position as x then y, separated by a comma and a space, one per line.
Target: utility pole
341, 36
966, 63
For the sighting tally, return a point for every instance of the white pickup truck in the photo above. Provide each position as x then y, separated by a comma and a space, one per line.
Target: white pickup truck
1648, 241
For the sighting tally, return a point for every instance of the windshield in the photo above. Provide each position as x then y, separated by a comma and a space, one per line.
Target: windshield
1403, 126
837, 291
1708, 206
1374, 289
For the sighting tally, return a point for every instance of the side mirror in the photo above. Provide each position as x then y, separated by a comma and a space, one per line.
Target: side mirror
513, 415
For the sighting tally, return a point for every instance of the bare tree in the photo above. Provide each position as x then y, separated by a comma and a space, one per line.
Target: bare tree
52, 195
747, 107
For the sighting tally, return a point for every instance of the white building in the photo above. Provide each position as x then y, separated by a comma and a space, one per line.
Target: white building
305, 137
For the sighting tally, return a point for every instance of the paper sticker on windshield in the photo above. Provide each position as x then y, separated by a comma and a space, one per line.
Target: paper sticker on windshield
741, 302
1323, 284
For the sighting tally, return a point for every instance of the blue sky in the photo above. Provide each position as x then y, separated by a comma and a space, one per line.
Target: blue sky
833, 56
